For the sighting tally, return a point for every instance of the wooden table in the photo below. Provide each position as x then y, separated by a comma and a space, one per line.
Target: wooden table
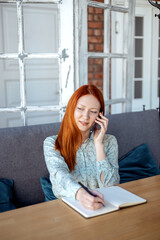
55, 220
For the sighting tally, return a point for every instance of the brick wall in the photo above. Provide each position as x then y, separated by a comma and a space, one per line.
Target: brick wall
95, 44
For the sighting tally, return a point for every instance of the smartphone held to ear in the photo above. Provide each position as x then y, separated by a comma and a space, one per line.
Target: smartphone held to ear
95, 126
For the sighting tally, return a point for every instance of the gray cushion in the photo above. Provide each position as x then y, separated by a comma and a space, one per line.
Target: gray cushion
135, 128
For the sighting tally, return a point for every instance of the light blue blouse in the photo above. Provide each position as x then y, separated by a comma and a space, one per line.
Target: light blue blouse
87, 169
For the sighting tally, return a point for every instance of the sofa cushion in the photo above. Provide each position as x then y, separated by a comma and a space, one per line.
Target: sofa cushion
47, 189
137, 164
6, 195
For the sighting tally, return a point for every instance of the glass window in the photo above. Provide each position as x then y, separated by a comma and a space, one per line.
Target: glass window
42, 85
95, 29
117, 78
111, 53
118, 38
38, 37
95, 72
9, 85
139, 26
117, 108
138, 47
138, 69
8, 28
42, 117
29, 66
10, 119
138, 89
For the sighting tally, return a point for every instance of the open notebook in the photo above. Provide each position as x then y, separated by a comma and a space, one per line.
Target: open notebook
114, 198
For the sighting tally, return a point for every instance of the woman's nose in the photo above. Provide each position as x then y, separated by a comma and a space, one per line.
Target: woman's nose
86, 114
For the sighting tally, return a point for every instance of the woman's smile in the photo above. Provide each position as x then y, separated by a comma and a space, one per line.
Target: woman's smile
84, 123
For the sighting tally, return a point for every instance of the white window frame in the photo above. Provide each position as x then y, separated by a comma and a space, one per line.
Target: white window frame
64, 55
82, 54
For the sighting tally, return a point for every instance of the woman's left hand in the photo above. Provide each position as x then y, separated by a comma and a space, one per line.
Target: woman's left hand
99, 134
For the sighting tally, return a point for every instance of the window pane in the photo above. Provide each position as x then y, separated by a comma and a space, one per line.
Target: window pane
117, 108
138, 47
118, 35
138, 69
10, 119
41, 35
117, 78
8, 28
139, 26
34, 118
138, 89
9, 83
95, 72
42, 85
95, 29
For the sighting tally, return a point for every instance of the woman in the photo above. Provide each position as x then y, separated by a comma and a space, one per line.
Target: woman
81, 154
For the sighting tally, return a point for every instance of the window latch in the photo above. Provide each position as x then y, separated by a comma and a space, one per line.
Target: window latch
64, 54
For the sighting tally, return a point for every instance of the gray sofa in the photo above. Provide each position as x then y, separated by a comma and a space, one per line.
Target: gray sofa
21, 149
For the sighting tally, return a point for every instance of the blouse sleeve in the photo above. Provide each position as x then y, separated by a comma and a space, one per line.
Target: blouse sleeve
63, 184
109, 166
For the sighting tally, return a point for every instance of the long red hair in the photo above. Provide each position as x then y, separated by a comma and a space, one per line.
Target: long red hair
69, 135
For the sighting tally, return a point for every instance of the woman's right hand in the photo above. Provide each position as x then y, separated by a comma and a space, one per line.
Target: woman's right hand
88, 201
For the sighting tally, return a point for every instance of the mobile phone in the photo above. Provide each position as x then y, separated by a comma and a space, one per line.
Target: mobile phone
95, 126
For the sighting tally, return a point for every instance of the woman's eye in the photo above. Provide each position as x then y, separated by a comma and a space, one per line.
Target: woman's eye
80, 109
93, 112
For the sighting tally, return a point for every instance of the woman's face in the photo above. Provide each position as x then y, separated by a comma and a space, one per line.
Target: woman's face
86, 111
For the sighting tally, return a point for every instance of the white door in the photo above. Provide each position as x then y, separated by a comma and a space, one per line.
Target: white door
142, 59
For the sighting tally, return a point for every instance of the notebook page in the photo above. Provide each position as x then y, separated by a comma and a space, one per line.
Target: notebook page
89, 213
119, 196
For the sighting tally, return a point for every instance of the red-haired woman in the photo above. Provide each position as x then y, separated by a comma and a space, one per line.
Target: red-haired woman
79, 154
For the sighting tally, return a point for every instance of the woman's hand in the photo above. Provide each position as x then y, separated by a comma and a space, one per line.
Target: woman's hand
88, 201
98, 139
99, 134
